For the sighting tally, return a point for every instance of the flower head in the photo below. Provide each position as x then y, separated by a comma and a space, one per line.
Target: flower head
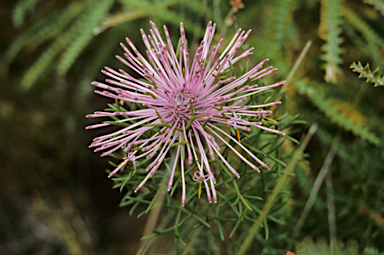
182, 104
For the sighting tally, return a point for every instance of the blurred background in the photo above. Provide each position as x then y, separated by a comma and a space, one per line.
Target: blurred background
55, 197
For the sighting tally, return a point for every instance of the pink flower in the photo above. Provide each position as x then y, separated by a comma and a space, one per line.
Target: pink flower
183, 103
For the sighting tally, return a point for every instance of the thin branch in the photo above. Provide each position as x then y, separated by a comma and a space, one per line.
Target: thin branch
157, 239
297, 64
153, 216
331, 212
319, 180
294, 69
192, 240
280, 183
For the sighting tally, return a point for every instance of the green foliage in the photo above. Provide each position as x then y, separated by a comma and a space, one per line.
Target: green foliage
366, 73
21, 10
372, 39
330, 22
74, 40
239, 199
86, 29
372, 251
61, 47
333, 110
321, 247
49, 27
73, 29
279, 30
378, 4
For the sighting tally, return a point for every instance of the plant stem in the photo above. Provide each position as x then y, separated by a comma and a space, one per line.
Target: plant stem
331, 212
294, 69
319, 180
280, 183
153, 215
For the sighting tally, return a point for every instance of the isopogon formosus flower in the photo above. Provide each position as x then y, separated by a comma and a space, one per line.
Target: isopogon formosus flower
184, 104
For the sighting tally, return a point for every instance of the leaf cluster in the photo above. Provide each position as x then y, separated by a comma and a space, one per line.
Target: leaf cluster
239, 200
366, 73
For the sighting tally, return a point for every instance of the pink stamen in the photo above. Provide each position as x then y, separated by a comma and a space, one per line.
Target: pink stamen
175, 100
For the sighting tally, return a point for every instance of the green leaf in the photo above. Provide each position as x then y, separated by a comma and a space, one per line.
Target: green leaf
366, 73
44, 61
21, 10
330, 22
234, 228
378, 4
318, 98
373, 40
95, 15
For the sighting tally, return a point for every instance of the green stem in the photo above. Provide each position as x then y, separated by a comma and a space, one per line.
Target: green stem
317, 184
280, 183
154, 214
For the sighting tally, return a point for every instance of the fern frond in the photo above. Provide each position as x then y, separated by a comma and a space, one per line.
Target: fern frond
159, 10
21, 10
60, 43
330, 31
136, 4
365, 72
378, 4
371, 37
115, 35
45, 29
42, 63
10, 54
362, 26
293, 34
310, 3
97, 61
56, 23
93, 18
250, 12
308, 247
283, 20
173, 18
335, 114
196, 6
137, 9
119, 18
275, 36
357, 40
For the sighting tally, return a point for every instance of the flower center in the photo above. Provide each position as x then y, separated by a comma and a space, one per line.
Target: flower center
183, 99
185, 103
188, 107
